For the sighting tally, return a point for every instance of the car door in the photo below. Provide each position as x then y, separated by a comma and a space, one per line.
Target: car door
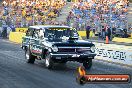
36, 44
26, 39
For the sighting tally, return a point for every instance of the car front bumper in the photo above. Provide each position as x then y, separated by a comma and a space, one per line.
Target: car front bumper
72, 56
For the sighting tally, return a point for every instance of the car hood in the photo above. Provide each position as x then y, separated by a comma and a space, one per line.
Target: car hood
75, 43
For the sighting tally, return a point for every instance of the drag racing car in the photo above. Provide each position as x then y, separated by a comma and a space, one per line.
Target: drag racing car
57, 44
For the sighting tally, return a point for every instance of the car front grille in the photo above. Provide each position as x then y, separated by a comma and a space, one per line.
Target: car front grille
66, 50
79, 50
76, 49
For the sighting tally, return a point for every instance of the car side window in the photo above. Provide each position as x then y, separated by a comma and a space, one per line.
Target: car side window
35, 34
29, 32
38, 34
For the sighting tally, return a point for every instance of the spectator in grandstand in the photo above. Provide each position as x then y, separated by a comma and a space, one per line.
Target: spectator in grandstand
69, 17
29, 12
99, 12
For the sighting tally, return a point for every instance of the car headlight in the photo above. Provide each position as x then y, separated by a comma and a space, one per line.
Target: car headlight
93, 49
49, 49
55, 48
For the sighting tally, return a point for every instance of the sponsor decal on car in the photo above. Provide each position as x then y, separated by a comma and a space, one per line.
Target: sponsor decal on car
36, 50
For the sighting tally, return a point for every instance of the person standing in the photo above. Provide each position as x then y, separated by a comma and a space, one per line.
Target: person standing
88, 31
103, 33
109, 33
113, 31
4, 32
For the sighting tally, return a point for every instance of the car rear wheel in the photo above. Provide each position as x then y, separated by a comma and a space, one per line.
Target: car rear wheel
48, 61
87, 64
29, 57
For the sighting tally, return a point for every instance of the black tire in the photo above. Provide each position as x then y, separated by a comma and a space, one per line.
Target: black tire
87, 64
48, 61
29, 57
63, 62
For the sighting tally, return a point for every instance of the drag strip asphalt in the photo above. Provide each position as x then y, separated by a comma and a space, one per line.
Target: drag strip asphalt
16, 73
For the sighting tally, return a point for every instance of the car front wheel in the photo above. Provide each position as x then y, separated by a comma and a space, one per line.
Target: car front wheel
29, 57
87, 64
48, 61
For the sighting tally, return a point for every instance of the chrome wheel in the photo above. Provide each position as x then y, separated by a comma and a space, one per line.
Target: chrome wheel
47, 63
27, 55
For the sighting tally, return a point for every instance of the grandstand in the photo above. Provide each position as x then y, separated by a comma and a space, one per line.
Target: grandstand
25, 13
97, 13
92, 12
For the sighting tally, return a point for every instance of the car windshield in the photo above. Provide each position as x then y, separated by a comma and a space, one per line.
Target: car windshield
60, 34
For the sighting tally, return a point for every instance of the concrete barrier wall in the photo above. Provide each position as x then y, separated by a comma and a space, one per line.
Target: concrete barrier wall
125, 40
114, 53
116, 39
16, 37
83, 33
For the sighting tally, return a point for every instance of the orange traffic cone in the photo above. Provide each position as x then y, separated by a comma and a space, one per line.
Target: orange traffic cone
107, 40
